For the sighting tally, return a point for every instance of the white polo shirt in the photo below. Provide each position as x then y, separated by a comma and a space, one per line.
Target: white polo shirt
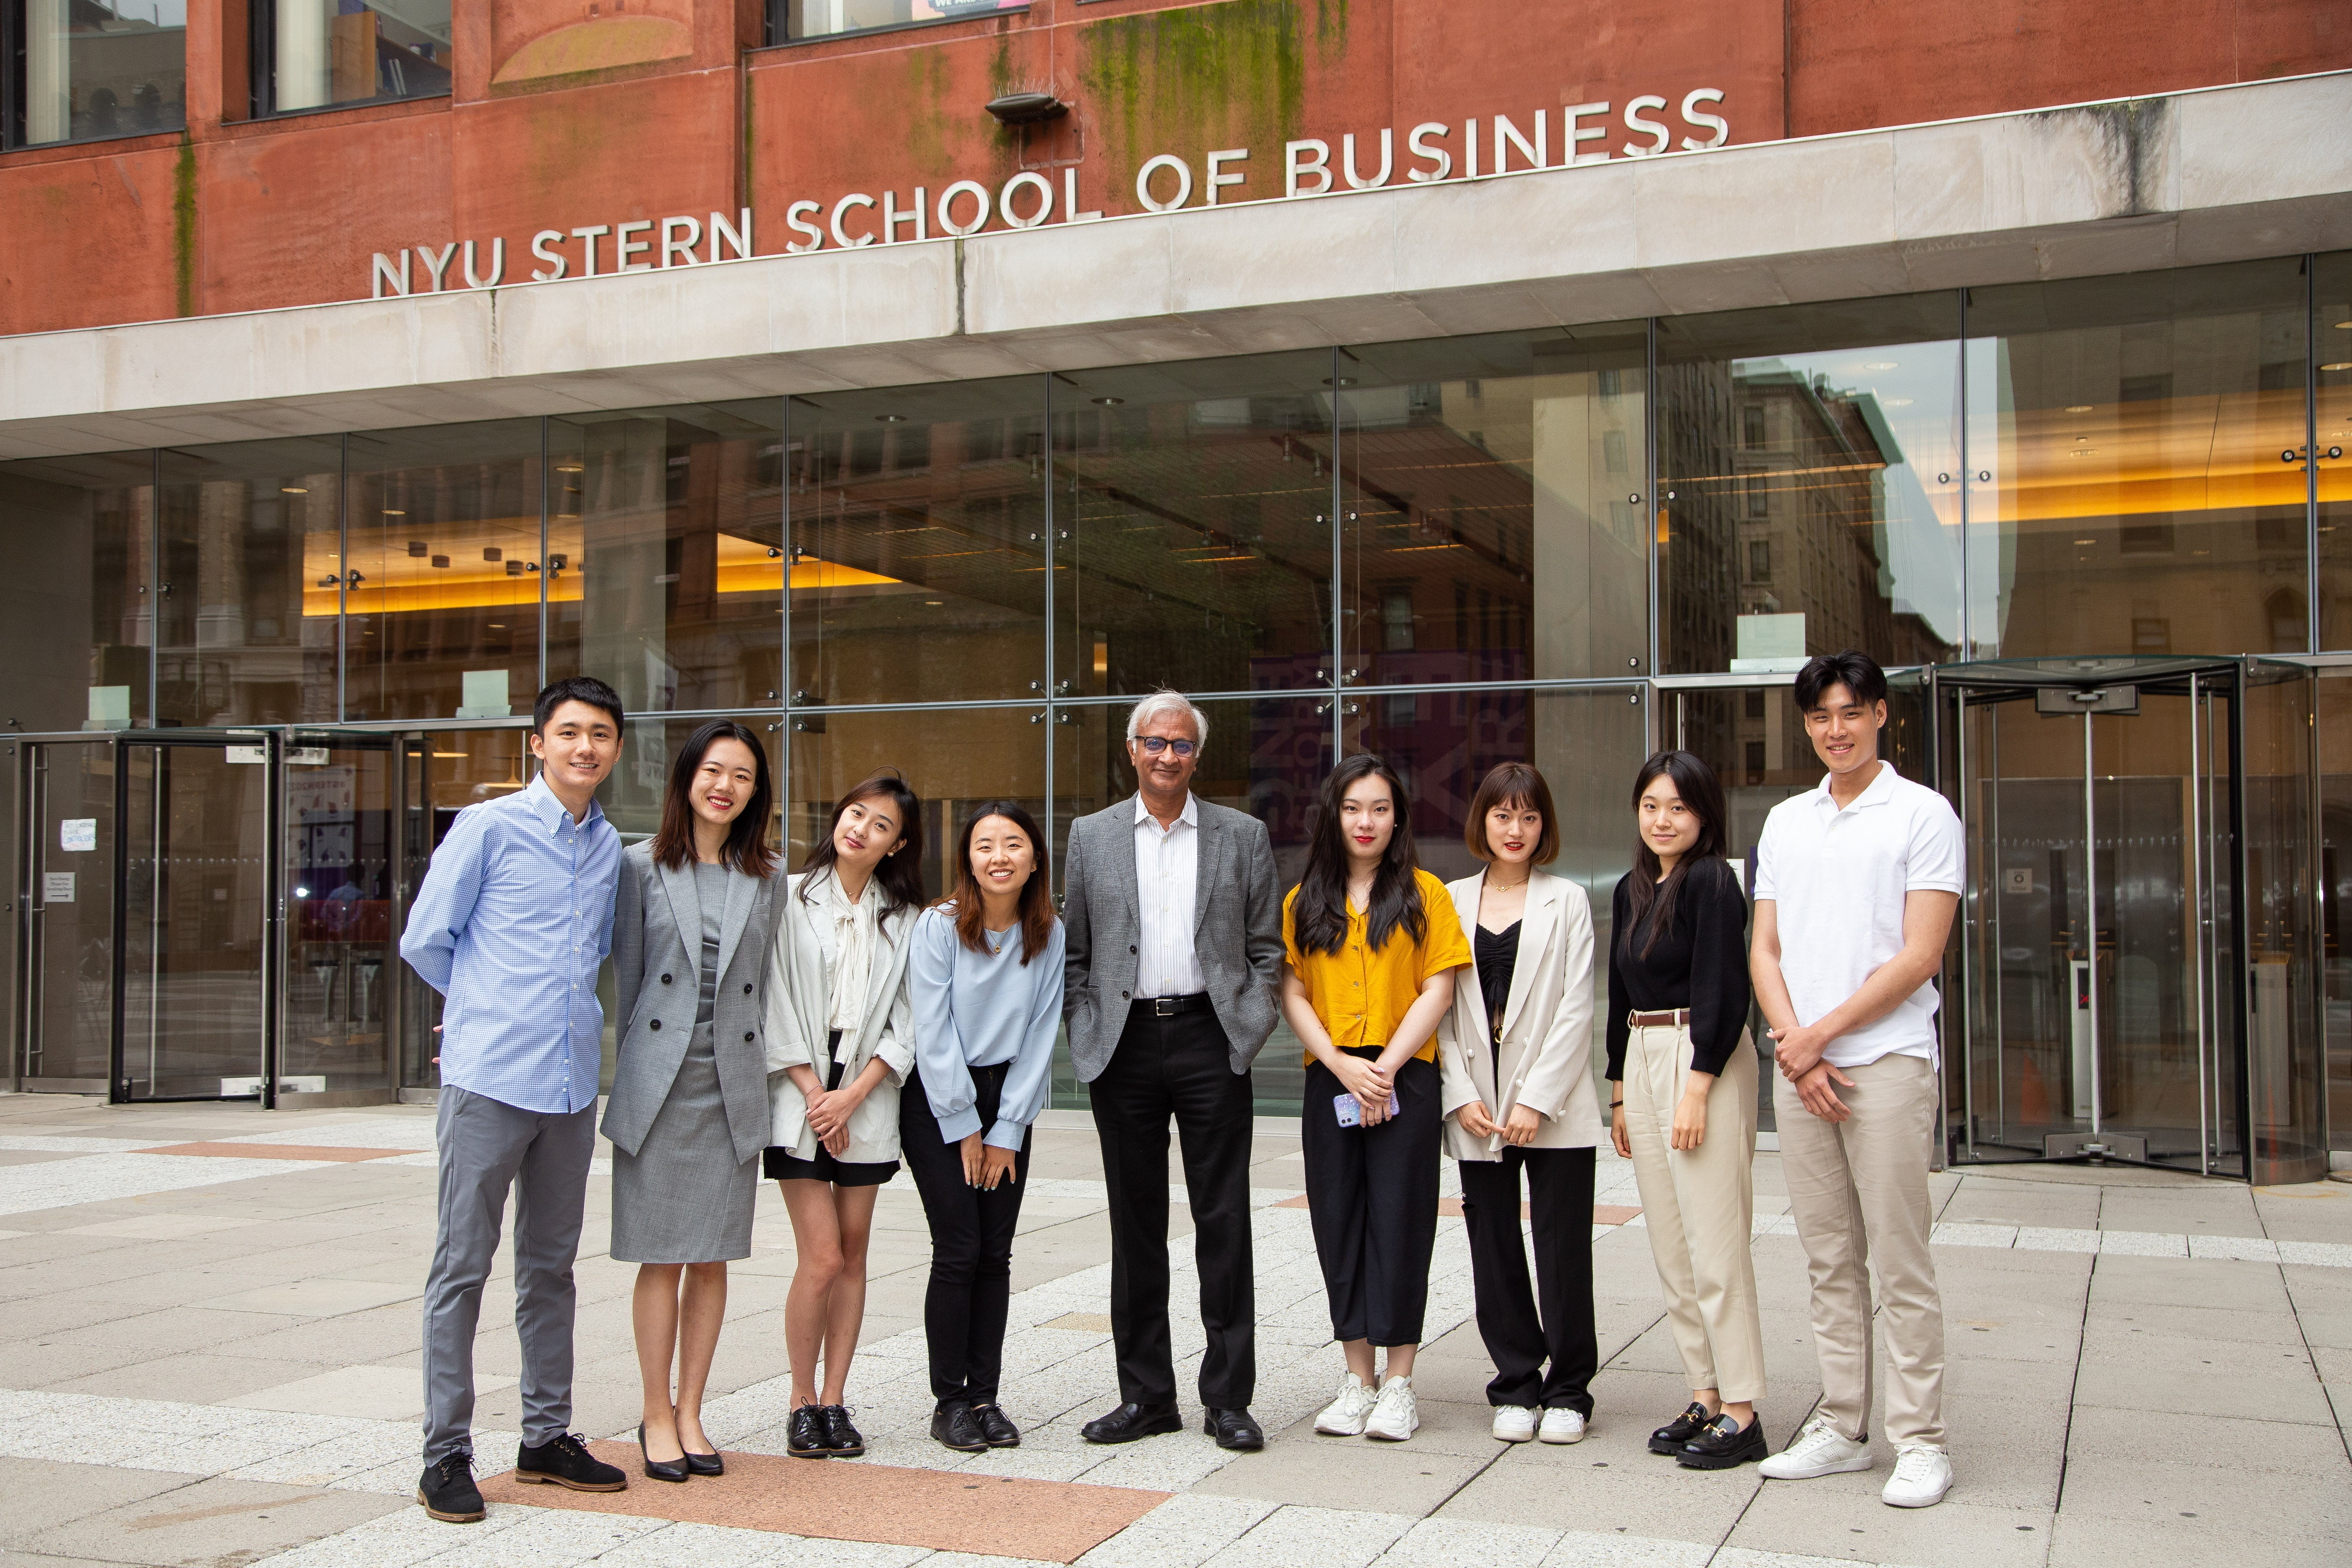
1837, 879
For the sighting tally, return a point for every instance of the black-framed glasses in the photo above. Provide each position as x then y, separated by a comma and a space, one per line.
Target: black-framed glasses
1155, 744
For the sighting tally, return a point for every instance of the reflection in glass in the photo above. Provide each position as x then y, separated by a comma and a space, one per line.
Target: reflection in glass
67, 981
796, 19
1192, 505
2285, 1067
322, 52
2334, 736
451, 769
341, 827
1492, 524
2331, 330
1809, 474
76, 536
97, 68
2134, 445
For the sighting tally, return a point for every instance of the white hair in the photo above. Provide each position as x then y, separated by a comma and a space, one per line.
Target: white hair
1165, 701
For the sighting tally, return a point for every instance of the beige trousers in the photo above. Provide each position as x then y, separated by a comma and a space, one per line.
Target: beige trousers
1858, 1192
1699, 1206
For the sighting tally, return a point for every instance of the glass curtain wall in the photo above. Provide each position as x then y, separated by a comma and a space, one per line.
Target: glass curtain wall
324, 54
87, 69
2331, 468
78, 594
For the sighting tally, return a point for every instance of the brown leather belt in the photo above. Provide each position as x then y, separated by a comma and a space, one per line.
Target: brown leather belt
1673, 1018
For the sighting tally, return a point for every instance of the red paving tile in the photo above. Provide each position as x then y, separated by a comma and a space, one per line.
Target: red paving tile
275, 1152
849, 1499
1602, 1214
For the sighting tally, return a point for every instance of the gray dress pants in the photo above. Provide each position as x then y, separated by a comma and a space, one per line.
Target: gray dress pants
487, 1146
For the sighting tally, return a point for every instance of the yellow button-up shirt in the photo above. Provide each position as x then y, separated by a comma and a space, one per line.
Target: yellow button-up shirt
1363, 994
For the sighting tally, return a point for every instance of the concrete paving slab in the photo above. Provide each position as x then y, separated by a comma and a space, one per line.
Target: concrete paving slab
1816, 1520
2296, 1400
319, 1298
43, 1494
209, 1521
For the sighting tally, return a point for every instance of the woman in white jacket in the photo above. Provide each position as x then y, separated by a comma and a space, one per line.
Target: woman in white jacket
841, 1041
1515, 1056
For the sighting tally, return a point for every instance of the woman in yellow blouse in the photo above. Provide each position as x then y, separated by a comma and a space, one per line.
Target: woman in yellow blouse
1373, 943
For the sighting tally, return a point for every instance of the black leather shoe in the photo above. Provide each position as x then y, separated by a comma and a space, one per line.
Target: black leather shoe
1131, 1421
804, 1437
844, 1439
660, 1469
996, 1425
1670, 1438
565, 1461
1724, 1444
705, 1464
1234, 1429
955, 1427
448, 1493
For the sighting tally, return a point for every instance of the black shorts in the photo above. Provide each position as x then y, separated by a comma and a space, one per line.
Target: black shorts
782, 1165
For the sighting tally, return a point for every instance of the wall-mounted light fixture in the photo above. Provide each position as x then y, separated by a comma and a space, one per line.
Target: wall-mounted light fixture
1027, 108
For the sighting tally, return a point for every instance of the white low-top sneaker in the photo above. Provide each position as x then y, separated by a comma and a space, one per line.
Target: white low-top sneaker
1395, 1416
1562, 1427
1344, 1416
1818, 1449
1513, 1424
1922, 1475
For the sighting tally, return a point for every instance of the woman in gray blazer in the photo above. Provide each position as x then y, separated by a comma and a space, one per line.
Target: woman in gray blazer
688, 1113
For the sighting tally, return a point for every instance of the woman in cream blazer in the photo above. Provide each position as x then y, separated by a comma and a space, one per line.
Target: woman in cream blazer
1515, 1058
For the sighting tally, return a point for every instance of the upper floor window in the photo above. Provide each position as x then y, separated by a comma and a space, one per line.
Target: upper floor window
789, 21
82, 69
319, 53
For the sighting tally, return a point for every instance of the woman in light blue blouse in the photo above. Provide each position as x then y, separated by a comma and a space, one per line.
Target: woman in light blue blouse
984, 972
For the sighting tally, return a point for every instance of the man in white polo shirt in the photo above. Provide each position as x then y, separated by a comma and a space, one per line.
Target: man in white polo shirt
1856, 886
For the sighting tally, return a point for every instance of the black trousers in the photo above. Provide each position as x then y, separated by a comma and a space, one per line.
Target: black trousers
1522, 1328
1371, 1193
1178, 1066
971, 1244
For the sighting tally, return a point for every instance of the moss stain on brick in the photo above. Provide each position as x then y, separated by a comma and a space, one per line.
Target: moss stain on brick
183, 225
1234, 73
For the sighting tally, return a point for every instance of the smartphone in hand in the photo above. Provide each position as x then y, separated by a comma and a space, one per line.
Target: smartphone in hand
1351, 1113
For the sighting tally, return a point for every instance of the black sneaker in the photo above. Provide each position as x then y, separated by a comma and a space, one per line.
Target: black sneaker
1670, 1438
1725, 1444
955, 1427
844, 1440
996, 1425
447, 1491
804, 1435
565, 1461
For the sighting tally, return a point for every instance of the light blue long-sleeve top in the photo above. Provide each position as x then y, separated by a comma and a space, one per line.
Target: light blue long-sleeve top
514, 918
978, 1010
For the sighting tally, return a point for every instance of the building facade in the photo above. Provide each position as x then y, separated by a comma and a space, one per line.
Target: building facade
923, 385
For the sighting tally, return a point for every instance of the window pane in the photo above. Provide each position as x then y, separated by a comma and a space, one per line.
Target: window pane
92, 70
919, 559
76, 537
252, 551
2334, 732
2331, 340
2132, 429
1192, 505
1828, 436
1493, 524
350, 51
822, 18
443, 531
671, 521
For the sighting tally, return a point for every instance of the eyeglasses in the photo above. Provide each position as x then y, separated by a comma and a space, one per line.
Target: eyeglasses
1155, 744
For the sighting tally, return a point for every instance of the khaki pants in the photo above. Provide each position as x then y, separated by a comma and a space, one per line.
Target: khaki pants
1699, 1206
1858, 1192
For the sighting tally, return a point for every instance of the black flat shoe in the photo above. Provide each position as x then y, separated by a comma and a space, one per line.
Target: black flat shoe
1131, 1421
955, 1427
996, 1427
449, 1492
804, 1435
1670, 1438
705, 1464
660, 1469
846, 1441
1724, 1444
1234, 1429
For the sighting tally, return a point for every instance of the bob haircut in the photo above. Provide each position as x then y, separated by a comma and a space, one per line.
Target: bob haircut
901, 875
747, 837
1519, 784
1036, 914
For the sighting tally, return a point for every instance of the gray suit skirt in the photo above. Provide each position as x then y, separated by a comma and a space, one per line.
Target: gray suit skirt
684, 1197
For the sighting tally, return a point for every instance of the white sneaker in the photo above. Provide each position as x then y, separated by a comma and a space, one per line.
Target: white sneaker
1515, 1424
1395, 1416
1922, 1475
1562, 1427
1818, 1449
1344, 1416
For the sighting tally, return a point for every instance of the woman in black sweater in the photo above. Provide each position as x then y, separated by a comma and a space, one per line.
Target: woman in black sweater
1684, 1102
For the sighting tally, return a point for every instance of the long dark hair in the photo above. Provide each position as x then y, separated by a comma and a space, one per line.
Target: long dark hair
1036, 906
1645, 896
901, 874
1319, 916
747, 837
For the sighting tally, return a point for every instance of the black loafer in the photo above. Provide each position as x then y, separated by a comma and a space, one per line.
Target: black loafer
804, 1437
565, 1461
1670, 1438
448, 1493
996, 1425
705, 1464
846, 1441
1724, 1444
955, 1427
1131, 1421
1234, 1429
660, 1469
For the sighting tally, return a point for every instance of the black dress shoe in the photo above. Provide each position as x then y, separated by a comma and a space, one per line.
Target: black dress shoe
660, 1469
804, 1437
1724, 1444
564, 1461
1234, 1429
705, 1464
1131, 1421
448, 1493
846, 1441
996, 1425
955, 1427
1670, 1438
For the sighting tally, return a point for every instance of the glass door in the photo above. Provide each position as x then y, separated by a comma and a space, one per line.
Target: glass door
65, 960
345, 891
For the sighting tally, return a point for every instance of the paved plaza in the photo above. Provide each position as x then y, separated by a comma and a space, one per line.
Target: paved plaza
208, 1355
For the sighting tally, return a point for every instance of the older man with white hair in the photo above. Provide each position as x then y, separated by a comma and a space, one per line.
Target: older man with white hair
1173, 914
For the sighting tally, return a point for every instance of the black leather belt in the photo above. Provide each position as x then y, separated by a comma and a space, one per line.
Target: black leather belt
1168, 1007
